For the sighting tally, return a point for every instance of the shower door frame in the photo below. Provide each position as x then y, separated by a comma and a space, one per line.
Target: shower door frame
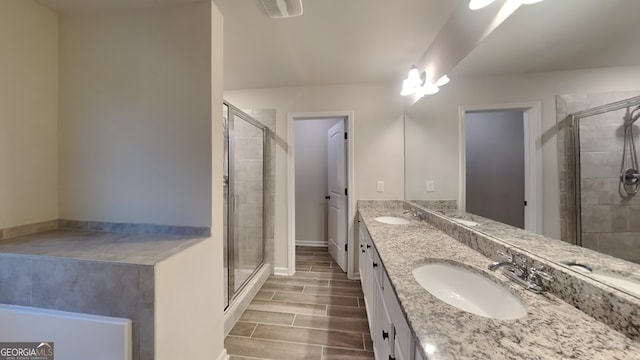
232, 110
575, 144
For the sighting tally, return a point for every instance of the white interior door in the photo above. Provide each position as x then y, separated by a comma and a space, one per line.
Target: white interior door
337, 184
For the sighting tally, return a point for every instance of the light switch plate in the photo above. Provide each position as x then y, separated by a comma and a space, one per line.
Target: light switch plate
380, 186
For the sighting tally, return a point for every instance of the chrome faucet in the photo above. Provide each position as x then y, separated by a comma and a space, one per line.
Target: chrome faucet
530, 279
415, 213
509, 265
497, 265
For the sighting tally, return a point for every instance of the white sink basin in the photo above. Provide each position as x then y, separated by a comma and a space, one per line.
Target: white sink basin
469, 291
611, 279
392, 220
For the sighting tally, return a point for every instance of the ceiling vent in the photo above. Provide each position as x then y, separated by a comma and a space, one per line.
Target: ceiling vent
283, 8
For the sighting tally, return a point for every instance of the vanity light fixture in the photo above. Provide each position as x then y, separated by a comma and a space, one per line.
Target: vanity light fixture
427, 90
444, 80
413, 82
416, 83
479, 4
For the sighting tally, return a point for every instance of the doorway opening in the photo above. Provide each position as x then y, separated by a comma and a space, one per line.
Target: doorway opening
320, 207
501, 164
311, 178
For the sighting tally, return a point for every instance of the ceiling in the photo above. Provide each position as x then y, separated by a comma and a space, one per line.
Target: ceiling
557, 35
333, 42
76, 6
357, 41
364, 41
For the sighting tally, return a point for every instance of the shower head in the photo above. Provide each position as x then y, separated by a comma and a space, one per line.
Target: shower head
630, 117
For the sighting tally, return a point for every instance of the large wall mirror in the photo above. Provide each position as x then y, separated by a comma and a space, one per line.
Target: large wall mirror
513, 92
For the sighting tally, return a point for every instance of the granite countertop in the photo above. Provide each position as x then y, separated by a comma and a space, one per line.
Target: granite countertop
99, 246
552, 329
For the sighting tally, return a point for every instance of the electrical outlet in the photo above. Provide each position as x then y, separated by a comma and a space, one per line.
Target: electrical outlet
380, 186
430, 186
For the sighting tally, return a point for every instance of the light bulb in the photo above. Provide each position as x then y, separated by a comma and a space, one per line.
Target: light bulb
414, 74
479, 4
444, 80
429, 89
407, 89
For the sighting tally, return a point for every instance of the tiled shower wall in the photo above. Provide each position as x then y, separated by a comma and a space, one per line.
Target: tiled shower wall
610, 223
249, 161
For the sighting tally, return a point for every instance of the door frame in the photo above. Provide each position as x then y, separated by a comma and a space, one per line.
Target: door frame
291, 176
532, 114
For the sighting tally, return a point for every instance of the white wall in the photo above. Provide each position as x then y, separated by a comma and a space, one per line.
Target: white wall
378, 138
311, 180
135, 116
432, 126
28, 113
184, 308
215, 258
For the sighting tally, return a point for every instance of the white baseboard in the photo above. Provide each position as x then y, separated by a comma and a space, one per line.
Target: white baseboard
282, 271
312, 243
224, 355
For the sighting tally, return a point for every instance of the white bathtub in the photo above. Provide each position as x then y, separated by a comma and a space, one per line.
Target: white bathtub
75, 336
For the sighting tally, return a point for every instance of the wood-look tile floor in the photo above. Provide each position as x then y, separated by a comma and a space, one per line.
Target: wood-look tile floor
317, 314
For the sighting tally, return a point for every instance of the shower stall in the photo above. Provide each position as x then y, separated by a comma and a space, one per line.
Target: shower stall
244, 185
599, 174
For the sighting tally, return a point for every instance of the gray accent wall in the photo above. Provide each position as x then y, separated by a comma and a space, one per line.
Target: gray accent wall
494, 152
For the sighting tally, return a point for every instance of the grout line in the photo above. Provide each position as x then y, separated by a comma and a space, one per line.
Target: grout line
337, 330
253, 331
299, 343
302, 302
286, 341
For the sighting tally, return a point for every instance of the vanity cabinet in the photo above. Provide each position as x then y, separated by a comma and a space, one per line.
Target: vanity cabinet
366, 274
392, 338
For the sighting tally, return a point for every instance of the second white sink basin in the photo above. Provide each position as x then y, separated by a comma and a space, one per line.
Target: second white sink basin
392, 220
611, 279
469, 291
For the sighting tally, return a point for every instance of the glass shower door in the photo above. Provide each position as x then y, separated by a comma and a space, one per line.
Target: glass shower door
245, 199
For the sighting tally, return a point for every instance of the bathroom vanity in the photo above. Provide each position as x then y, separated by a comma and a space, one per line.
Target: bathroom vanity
408, 322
